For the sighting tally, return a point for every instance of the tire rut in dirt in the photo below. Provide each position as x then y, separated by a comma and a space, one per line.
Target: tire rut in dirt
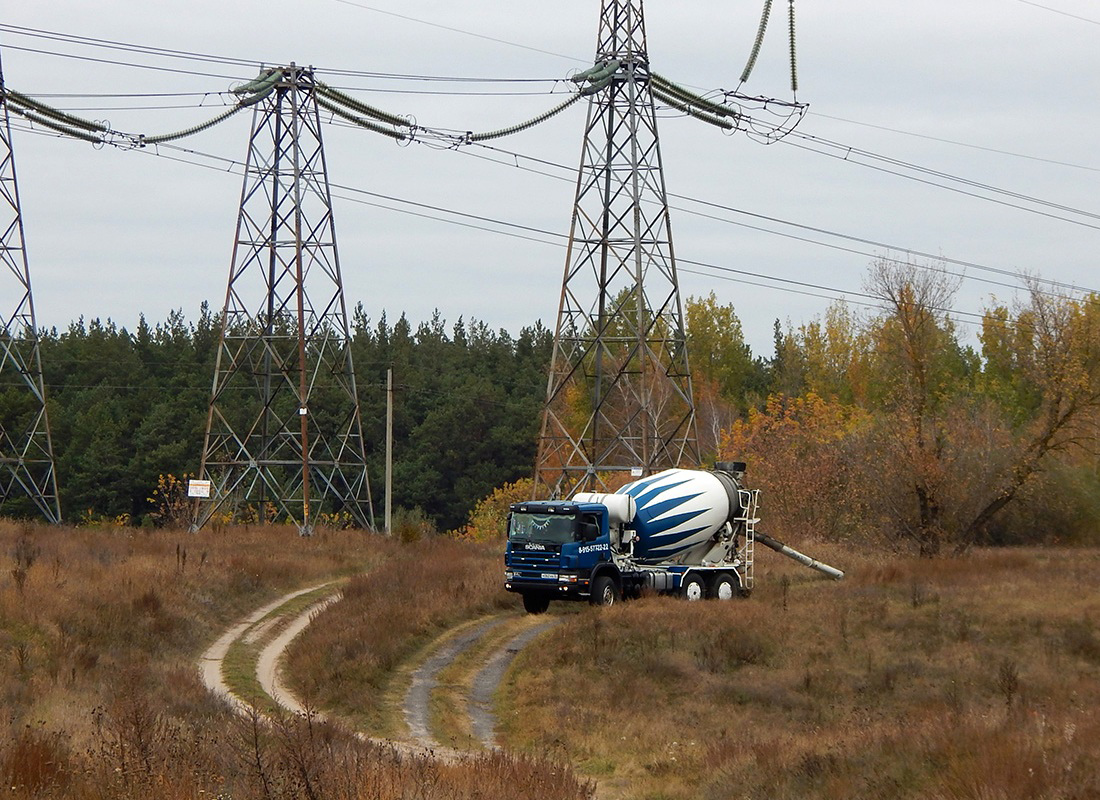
424, 680
480, 702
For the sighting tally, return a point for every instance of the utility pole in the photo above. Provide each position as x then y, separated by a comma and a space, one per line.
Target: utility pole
28, 477
283, 427
389, 451
619, 397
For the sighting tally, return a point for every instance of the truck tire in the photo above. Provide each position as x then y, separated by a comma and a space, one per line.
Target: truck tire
535, 603
605, 592
726, 587
693, 588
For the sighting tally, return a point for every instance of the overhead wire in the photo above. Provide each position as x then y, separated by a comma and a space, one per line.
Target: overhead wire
846, 153
109, 44
559, 240
452, 29
129, 64
117, 95
333, 100
250, 64
105, 109
1060, 11
599, 73
909, 252
875, 243
97, 132
399, 121
667, 95
957, 143
660, 89
885, 246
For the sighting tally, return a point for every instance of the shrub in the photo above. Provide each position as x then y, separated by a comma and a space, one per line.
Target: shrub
489, 517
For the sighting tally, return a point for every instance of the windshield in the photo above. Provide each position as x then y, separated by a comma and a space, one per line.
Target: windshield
557, 528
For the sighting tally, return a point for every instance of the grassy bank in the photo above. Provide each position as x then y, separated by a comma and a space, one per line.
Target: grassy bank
347, 659
969, 678
100, 633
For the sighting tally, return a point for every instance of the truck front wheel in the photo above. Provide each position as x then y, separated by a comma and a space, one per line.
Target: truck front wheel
535, 603
693, 588
604, 592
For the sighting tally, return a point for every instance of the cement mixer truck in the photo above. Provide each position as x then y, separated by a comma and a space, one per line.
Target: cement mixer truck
686, 532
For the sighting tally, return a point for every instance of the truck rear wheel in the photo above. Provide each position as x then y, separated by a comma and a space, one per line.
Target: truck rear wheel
726, 587
693, 588
535, 603
604, 592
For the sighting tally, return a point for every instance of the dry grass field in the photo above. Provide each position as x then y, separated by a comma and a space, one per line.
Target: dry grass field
347, 659
100, 630
100, 697
970, 679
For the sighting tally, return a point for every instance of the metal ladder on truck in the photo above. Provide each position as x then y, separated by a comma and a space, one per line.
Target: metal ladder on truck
749, 499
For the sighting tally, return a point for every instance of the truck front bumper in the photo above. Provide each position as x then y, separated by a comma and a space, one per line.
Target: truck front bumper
565, 584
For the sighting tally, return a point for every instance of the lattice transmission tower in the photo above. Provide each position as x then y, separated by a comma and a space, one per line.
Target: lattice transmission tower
27, 472
619, 395
284, 439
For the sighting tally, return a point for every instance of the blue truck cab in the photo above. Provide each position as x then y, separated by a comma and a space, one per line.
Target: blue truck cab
558, 550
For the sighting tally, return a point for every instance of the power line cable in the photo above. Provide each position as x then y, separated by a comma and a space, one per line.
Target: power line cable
459, 30
789, 286
109, 44
661, 84
104, 109
957, 143
561, 239
800, 226
1059, 11
986, 187
362, 108
335, 101
251, 64
119, 95
794, 237
886, 246
846, 151
765, 230
112, 62
937, 258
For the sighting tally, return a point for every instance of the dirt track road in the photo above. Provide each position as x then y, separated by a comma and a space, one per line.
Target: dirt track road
210, 665
267, 664
275, 625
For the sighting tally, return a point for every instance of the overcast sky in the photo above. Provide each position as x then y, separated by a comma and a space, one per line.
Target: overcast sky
1001, 93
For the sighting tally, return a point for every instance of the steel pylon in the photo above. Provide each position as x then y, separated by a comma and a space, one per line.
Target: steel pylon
619, 397
284, 440
27, 471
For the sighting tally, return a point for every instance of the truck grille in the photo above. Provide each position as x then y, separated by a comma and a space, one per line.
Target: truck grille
534, 560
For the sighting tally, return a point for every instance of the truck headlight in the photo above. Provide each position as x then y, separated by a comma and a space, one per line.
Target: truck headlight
567, 579
508, 574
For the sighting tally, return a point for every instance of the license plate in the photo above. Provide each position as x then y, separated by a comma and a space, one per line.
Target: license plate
549, 576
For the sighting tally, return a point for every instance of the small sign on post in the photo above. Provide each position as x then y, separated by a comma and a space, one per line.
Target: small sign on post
635, 472
198, 488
